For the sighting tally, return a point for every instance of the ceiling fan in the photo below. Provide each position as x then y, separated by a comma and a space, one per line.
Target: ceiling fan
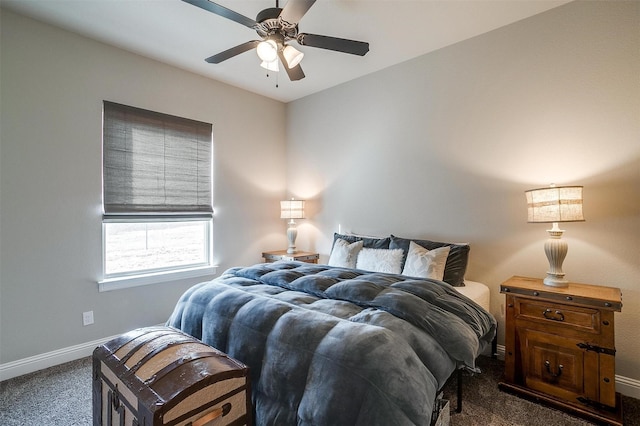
277, 27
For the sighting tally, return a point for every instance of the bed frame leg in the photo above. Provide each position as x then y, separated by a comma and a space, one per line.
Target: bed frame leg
494, 354
494, 345
459, 405
494, 348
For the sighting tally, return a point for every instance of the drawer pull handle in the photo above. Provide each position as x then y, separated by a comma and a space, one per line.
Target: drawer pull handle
547, 364
548, 314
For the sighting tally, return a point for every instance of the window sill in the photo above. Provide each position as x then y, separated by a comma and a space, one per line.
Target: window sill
160, 277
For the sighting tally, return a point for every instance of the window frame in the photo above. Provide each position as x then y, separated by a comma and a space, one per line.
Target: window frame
119, 280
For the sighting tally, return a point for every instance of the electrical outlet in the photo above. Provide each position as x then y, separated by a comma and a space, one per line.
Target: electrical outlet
87, 318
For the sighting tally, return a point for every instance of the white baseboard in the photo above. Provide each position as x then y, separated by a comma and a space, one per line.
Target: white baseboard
624, 385
500, 352
49, 359
627, 386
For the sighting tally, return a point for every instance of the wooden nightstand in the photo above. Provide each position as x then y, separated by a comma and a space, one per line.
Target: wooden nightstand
559, 346
302, 256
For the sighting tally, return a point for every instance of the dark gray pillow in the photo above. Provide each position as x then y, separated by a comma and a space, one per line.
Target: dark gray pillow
377, 243
457, 260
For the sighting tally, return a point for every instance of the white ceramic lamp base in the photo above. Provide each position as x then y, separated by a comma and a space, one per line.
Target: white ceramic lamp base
556, 250
292, 233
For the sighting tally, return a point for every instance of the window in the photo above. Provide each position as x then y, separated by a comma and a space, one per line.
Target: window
157, 174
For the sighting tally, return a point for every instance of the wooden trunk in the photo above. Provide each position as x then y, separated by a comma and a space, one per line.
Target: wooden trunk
162, 376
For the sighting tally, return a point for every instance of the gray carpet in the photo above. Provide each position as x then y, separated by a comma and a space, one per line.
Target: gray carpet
61, 396
485, 404
56, 396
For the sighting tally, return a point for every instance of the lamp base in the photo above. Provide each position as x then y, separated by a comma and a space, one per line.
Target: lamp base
555, 280
556, 250
292, 233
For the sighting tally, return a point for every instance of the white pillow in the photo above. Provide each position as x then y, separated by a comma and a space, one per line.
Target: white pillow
380, 260
345, 254
423, 263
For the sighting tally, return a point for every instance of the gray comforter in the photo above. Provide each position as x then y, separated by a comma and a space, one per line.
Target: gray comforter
334, 346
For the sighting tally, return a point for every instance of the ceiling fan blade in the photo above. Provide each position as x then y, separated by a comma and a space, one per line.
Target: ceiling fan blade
294, 73
332, 43
294, 10
223, 11
230, 53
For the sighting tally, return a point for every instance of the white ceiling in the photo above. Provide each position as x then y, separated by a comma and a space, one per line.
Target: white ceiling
182, 35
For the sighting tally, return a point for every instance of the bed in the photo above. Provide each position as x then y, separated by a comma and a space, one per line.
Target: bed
478, 292
337, 345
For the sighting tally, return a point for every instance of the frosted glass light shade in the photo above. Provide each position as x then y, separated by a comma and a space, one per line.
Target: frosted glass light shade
292, 55
267, 50
271, 66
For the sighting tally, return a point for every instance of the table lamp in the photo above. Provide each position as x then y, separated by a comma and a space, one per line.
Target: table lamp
552, 205
292, 209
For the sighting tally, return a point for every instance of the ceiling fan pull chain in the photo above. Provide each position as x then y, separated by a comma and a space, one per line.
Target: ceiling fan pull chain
269, 75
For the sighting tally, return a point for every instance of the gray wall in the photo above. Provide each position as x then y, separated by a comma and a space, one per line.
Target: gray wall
444, 146
53, 83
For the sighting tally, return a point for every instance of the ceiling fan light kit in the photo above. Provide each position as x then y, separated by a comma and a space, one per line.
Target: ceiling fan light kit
267, 50
270, 66
276, 27
292, 55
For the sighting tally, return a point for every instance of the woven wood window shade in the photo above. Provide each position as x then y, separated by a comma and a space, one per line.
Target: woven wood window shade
155, 164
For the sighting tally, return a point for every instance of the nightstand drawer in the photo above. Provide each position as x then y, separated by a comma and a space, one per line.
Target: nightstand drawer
300, 256
582, 319
312, 258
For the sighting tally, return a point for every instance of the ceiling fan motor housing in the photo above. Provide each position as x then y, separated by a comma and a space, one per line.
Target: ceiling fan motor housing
269, 23
270, 13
